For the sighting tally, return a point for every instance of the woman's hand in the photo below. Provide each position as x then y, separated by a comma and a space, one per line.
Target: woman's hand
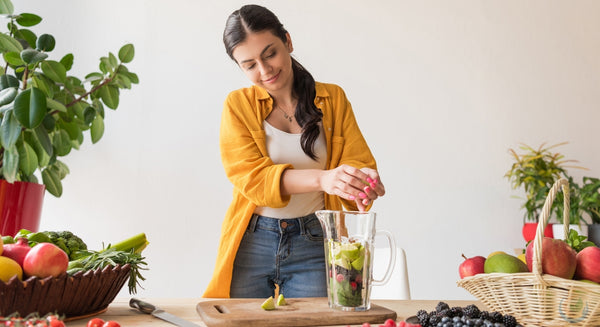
373, 190
360, 185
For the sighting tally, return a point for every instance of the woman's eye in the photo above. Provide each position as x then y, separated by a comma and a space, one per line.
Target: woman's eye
250, 67
272, 54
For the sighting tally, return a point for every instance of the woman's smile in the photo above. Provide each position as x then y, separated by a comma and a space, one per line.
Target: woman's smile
271, 80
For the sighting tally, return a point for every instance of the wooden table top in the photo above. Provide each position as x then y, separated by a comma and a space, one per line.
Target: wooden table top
185, 308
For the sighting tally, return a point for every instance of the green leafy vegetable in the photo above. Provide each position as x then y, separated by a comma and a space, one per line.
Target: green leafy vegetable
578, 242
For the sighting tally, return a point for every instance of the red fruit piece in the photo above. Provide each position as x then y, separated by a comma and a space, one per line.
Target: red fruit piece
339, 278
95, 322
366, 324
389, 323
559, 259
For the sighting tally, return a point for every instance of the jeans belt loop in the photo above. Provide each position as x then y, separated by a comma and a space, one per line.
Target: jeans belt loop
253, 221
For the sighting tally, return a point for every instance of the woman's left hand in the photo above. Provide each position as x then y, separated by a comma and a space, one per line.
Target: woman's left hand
373, 190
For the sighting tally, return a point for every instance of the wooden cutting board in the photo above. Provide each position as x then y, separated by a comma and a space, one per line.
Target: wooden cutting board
297, 312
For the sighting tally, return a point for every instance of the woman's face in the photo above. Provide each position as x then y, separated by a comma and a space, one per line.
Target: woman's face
266, 60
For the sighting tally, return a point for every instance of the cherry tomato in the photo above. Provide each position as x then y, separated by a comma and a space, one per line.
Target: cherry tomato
111, 324
53, 322
95, 322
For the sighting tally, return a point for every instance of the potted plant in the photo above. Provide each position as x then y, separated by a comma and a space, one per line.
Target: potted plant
536, 170
589, 204
44, 113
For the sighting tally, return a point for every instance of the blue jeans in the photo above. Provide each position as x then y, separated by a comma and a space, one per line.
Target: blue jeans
286, 252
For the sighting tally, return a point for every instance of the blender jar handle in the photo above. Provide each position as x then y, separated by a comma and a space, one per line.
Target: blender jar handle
391, 261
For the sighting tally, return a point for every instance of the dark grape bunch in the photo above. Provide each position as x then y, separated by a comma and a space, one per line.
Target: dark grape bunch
446, 316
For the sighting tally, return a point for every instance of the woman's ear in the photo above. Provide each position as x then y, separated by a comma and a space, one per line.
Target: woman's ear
288, 43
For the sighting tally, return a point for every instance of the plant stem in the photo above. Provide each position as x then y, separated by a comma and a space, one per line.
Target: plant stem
104, 82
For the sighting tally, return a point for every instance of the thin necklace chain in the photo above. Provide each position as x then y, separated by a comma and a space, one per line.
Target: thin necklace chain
285, 114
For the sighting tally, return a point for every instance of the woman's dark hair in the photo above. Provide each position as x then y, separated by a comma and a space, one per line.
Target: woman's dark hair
254, 18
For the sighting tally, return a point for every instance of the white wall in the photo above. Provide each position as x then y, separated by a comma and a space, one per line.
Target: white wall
441, 90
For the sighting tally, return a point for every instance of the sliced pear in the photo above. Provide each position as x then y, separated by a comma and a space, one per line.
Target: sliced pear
281, 300
269, 304
358, 263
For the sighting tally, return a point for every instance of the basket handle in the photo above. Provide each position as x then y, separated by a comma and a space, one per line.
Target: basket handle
539, 234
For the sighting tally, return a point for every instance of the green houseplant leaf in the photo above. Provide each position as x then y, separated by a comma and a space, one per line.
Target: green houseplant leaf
26, 19
10, 130
32, 56
97, 129
52, 181
6, 7
46, 42
9, 44
30, 107
126, 53
8, 95
10, 164
55, 71
28, 160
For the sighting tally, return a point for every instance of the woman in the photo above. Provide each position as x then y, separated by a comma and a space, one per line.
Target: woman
290, 146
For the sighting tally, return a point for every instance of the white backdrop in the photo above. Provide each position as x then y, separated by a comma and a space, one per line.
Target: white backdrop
441, 89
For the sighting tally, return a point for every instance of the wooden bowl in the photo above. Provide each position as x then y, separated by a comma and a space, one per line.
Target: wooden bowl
81, 294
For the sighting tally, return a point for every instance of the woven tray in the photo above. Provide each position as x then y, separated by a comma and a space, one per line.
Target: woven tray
72, 296
537, 299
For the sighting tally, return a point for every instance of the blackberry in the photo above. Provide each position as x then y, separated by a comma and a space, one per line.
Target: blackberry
434, 319
423, 317
443, 313
484, 315
442, 306
509, 321
495, 316
456, 312
471, 311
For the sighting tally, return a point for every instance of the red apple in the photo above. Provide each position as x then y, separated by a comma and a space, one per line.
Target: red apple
588, 264
558, 258
44, 260
471, 266
17, 251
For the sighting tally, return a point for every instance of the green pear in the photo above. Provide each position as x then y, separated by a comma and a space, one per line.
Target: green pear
504, 263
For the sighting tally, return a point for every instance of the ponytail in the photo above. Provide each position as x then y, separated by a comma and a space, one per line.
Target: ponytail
307, 114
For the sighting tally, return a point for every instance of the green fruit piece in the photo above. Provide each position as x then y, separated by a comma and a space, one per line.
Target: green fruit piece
281, 300
269, 304
504, 263
350, 251
342, 262
358, 263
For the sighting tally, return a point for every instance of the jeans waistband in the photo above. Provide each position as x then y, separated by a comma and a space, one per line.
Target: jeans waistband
288, 225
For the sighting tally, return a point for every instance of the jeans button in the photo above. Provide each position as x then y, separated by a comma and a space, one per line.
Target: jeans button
284, 224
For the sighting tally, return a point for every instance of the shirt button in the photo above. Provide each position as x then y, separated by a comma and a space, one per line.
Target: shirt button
284, 224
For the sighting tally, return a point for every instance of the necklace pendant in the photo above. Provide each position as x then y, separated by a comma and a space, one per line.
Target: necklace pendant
288, 117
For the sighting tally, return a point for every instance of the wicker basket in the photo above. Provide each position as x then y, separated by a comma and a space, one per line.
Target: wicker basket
72, 296
537, 299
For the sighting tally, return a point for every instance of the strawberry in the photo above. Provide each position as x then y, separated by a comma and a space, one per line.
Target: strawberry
389, 323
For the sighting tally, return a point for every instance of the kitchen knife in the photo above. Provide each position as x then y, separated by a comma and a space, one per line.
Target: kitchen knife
148, 308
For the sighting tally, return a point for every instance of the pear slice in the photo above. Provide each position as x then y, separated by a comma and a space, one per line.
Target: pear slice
281, 300
269, 304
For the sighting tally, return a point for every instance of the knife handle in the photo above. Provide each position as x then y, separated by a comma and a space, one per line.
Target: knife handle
144, 307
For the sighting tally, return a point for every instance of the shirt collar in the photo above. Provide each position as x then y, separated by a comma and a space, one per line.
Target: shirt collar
262, 94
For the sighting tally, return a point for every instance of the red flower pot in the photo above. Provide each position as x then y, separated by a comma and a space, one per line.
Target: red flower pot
20, 206
529, 230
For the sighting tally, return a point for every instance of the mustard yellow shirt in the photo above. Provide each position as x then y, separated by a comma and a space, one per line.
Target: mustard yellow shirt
256, 179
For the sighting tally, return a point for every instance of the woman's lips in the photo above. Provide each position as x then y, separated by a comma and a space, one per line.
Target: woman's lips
272, 79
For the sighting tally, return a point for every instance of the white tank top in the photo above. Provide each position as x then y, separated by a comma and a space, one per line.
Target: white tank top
285, 148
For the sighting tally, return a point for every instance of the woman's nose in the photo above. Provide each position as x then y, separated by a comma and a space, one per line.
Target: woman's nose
264, 68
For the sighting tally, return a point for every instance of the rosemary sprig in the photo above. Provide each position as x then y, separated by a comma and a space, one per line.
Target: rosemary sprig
112, 257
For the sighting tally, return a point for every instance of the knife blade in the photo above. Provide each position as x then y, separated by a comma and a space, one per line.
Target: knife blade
148, 308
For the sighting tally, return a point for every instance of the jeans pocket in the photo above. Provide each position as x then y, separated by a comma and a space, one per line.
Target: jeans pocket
313, 230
